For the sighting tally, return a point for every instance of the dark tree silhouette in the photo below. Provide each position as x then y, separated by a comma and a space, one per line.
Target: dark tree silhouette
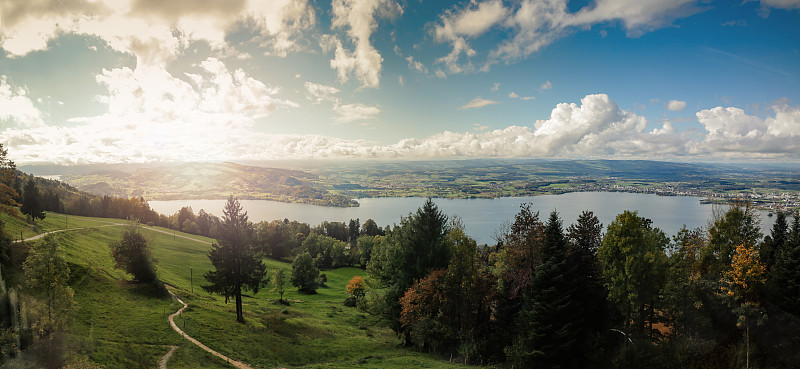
31, 201
235, 260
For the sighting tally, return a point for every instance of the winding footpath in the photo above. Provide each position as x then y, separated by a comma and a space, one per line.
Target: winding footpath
164, 359
237, 364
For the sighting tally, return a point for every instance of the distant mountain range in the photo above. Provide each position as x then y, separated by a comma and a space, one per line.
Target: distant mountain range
205, 181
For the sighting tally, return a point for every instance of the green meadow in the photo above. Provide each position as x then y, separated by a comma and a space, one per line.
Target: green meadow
121, 325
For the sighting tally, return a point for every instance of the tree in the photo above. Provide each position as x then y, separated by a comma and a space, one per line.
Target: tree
518, 256
371, 228
235, 260
785, 280
326, 251
737, 226
279, 283
450, 310
740, 284
304, 273
365, 244
46, 276
354, 230
185, 218
586, 234
634, 269
548, 331
31, 201
7, 177
356, 287
414, 248
775, 241
276, 239
133, 255
684, 291
593, 315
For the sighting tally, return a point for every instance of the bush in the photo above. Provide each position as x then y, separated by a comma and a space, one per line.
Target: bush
133, 255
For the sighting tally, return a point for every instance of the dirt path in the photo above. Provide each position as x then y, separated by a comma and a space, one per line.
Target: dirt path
163, 363
40, 235
174, 326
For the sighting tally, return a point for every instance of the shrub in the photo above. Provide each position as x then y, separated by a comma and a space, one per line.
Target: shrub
133, 255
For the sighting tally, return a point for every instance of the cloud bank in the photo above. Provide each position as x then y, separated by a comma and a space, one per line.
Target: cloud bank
154, 31
594, 128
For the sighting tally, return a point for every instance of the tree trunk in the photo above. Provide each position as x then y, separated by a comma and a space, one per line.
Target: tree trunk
239, 316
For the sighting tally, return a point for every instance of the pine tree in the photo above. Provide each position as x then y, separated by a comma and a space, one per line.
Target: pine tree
548, 336
414, 248
786, 273
236, 262
593, 315
775, 241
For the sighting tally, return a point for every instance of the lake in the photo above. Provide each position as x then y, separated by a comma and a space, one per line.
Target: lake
482, 217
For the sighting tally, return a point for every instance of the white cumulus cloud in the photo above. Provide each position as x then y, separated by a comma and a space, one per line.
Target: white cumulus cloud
534, 24
16, 108
359, 18
319, 93
733, 132
676, 105
353, 112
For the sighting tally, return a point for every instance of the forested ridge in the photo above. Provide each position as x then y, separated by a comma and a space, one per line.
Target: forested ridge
547, 294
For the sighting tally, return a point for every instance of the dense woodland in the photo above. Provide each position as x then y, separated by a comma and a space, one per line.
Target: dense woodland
545, 295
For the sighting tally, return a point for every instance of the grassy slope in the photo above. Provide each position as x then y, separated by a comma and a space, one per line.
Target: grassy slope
120, 325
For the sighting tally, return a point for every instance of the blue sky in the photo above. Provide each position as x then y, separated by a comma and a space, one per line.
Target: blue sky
110, 81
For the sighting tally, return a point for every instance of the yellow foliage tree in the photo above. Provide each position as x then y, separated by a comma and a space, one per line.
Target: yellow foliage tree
745, 275
740, 284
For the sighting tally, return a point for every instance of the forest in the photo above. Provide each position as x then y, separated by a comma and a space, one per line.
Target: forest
545, 295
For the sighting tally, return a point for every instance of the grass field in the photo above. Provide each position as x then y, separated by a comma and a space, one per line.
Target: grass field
120, 325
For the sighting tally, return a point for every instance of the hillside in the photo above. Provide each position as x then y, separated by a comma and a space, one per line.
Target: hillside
117, 324
208, 181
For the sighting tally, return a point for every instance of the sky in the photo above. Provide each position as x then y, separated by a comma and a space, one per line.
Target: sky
136, 81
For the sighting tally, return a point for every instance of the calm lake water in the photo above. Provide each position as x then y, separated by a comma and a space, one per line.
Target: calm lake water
482, 217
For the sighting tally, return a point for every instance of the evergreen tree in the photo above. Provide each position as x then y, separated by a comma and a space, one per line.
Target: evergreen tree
414, 248
548, 333
236, 262
786, 274
31, 201
354, 230
593, 316
775, 241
